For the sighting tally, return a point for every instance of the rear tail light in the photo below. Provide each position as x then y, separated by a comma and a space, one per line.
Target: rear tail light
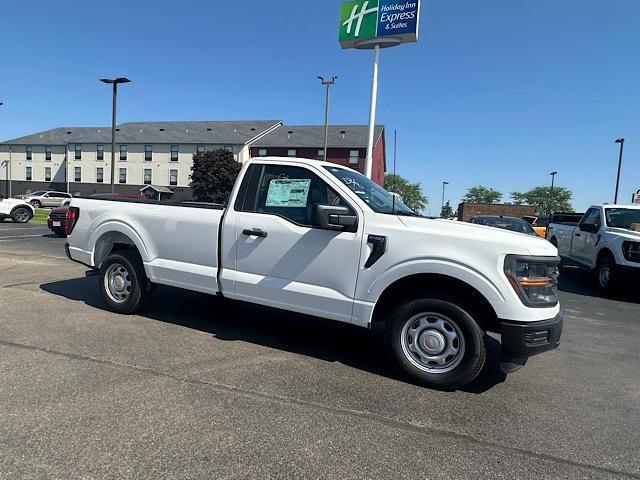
72, 218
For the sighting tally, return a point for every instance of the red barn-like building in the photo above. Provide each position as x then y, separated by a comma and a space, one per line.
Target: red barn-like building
347, 145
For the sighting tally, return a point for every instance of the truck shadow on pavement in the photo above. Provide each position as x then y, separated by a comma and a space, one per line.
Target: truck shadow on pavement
228, 320
580, 282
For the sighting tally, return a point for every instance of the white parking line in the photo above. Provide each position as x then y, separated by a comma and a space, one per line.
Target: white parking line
34, 227
19, 236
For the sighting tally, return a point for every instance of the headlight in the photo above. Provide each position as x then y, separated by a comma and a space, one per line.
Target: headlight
631, 251
535, 279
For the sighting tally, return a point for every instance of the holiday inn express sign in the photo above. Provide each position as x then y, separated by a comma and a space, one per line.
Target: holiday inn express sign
367, 22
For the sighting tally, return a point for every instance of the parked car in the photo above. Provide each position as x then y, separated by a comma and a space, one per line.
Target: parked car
57, 220
539, 224
605, 241
321, 239
513, 224
44, 198
17, 210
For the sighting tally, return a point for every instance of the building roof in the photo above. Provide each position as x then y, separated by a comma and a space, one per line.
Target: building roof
157, 188
192, 132
312, 136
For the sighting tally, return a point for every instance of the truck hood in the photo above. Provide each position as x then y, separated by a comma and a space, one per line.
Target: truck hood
517, 243
625, 233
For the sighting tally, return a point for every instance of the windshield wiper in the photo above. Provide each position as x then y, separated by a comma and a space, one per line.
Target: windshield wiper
405, 214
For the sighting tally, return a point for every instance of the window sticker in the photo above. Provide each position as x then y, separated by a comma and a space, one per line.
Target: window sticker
285, 192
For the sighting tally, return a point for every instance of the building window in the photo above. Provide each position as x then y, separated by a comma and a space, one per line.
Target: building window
78, 174
123, 153
78, 152
147, 176
291, 153
123, 175
99, 175
148, 153
173, 177
353, 157
100, 152
262, 152
47, 174
27, 174
174, 153
320, 155
200, 149
29, 153
47, 154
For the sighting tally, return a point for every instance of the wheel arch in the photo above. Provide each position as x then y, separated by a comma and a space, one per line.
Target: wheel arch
115, 236
421, 284
23, 205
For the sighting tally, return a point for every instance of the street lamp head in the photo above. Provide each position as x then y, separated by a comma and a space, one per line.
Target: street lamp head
620, 140
115, 80
326, 81
445, 183
553, 173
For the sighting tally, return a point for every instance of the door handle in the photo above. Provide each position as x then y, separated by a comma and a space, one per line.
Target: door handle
254, 232
576, 234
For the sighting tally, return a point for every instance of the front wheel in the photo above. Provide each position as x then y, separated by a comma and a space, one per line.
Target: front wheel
36, 203
123, 282
21, 215
437, 341
605, 273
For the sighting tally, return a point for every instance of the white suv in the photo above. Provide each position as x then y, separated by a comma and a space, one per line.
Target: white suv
43, 198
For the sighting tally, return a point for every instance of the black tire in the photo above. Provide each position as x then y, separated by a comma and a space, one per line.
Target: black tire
59, 232
606, 281
36, 203
21, 214
471, 354
131, 271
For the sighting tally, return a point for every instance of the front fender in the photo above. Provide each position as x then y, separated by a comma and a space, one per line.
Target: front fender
439, 266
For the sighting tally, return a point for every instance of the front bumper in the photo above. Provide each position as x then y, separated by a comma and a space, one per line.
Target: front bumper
521, 340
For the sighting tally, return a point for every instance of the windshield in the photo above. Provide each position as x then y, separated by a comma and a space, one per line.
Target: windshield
506, 223
371, 193
622, 217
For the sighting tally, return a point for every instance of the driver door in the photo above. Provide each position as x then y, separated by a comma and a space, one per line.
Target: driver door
586, 238
282, 259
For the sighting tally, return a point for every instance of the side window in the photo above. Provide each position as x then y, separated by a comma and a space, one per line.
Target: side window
592, 217
288, 192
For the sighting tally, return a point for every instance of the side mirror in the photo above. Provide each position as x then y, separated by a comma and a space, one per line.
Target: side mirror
334, 217
589, 227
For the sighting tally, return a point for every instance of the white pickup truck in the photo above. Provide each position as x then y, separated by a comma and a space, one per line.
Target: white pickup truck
321, 239
606, 241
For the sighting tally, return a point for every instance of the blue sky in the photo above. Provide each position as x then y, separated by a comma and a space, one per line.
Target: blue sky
496, 93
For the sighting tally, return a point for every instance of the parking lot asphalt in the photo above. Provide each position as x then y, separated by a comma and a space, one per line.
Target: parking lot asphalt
198, 387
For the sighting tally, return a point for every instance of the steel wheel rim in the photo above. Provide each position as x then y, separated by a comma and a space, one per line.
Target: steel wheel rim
604, 274
21, 215
432, 342
117, 283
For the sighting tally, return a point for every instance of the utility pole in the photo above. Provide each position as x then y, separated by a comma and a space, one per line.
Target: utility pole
328, 83
621, 142
115, 83
549, 209
444, 184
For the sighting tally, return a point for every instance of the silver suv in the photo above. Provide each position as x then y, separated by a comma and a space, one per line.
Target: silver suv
44, 198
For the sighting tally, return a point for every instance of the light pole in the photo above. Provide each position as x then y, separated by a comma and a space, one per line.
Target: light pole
115, 83
444, 184
549, 202
328, 83
621, 142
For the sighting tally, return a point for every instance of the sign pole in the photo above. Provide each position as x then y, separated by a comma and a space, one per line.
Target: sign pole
372, 112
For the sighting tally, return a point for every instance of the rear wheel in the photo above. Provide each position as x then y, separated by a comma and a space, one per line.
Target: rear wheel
606, 272
21, 215
437, 341
123, 282
36, 204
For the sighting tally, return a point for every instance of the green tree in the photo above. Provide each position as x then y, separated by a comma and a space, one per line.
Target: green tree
447, 211
481, 194
411, 193
213, 175
545, 200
